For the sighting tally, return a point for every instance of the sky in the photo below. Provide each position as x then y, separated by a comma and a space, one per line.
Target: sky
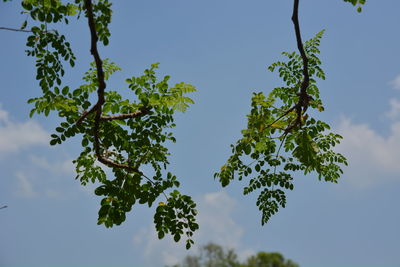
223, 48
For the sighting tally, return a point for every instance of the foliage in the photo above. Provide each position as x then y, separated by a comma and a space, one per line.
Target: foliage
212, 255
127, 135
357, 3
264, 259
271, 126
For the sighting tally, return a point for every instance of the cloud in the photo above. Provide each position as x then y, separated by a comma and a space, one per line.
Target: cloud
65, 166
373, 158
218, 209
16, 136
394, 111
396, 82
217, 225
25, 188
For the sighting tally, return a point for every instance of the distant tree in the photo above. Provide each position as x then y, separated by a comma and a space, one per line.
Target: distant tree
213, 255
264, 259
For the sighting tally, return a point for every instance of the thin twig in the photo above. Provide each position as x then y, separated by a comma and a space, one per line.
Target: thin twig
85, 114
14, 30
279, 149
284, 114
125, 116
152, 182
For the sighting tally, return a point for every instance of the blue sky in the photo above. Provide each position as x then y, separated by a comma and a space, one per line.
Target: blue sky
223, 48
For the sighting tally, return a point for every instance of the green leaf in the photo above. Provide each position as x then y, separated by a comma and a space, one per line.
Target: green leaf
247, 149
65, 90
60, 129
85, 142
24, 25
161, 235
77, 92
53, 142
177, 237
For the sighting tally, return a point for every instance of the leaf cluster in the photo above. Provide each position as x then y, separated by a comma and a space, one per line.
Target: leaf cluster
357, 3
129, 134
306, 148
177, 216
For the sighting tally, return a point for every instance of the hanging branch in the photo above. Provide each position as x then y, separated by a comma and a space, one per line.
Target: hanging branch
304, 98
100, 94
99, 105
306, 78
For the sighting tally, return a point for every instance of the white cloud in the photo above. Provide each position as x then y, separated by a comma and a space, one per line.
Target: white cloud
218, 209
373, 158
3, 116
394, 111
396, 82
25, 188
216, 225
65, 166
15, 136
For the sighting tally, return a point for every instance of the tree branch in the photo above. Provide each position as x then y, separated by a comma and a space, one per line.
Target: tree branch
304, 99
283, 115
98, 106
86, 113
306, 77
14, 30
132, 115
100, 93
102, 86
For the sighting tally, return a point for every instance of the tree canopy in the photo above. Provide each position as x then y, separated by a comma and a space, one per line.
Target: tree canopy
128, 135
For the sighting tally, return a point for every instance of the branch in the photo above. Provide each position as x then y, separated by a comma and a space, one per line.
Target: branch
98, 106
86, 113
22, 30
102, 85
139, 113
152, 182
14, 30
100, 93
111, 163
283, 115
306, 77
304, 99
